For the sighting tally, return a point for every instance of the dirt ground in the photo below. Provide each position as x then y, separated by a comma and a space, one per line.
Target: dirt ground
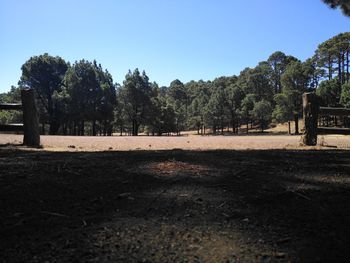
279, 204
191, 142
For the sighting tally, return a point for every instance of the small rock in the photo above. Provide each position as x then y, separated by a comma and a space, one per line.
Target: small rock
124, 195
280, 255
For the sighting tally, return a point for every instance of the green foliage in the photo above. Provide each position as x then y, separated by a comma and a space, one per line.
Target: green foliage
278, 62
283, 110
162, 118
345, 95
82, 98
333, 57
312, 73
294, 84
13, 96
262, 113
344, 5
89, 95
177, 91
258, 82
329, 91
136, 94
179, 99
215, 111
45, 73
234, 96
248, 106
197, 108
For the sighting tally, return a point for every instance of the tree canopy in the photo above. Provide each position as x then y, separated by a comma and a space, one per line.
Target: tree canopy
81, 98
344, 5
44, 74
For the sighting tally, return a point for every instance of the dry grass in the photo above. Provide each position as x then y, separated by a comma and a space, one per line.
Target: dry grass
126, 143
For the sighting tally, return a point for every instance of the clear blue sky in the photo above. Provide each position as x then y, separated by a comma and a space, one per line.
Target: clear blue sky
169, 39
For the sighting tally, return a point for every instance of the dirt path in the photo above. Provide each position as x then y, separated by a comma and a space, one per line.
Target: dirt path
73, 143
175, 206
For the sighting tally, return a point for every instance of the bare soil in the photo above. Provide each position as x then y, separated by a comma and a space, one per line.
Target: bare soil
233, 205
190, 142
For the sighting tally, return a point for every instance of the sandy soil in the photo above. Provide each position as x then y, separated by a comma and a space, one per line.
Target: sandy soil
73, 143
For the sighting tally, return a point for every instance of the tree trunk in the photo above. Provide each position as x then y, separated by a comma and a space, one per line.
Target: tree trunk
104, 127
289, 131
233, 124
109, 129
296, 123
347, 65
310, 113
343, 67
50, 113
75, 128
94, 128
135, 128
82, 128
339, 69
30, 119
71, 127
64, 129
329, 68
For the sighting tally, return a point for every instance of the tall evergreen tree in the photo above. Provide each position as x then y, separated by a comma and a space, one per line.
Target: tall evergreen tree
44, 74
137, 93
294, 83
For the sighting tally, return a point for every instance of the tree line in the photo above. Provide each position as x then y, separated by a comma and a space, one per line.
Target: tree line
82, 98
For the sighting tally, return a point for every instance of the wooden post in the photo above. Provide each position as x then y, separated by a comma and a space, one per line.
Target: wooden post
30, 118
310, 113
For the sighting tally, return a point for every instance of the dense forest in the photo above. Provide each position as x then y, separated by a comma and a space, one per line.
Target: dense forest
82, 98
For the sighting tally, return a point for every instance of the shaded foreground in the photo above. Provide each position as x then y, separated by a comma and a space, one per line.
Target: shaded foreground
175, 206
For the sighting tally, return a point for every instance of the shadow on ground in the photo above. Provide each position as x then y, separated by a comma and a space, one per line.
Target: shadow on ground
175, 206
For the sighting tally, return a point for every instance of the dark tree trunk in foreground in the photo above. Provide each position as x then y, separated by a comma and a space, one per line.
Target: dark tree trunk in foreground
30, 119
310, 112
